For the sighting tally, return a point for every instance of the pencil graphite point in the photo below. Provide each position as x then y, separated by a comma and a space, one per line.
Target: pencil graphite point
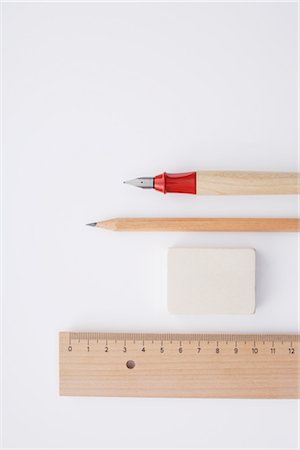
93, 224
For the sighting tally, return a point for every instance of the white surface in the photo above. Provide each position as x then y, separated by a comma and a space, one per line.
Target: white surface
211, 281
99, 93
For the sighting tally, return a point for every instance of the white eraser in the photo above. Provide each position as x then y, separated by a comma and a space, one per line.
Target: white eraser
211, 280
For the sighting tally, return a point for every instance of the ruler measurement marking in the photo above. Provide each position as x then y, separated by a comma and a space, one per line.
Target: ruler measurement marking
181, 344
88, 337
258, 338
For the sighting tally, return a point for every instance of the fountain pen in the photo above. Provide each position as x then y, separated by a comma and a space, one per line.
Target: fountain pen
222, 183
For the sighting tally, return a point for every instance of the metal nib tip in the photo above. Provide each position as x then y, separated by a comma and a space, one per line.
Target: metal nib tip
93, 224
142, 182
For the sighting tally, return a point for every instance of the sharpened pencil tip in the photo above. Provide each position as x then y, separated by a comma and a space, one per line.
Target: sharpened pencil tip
93, 224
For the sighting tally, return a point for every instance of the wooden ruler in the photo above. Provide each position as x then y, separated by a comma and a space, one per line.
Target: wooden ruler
180, 365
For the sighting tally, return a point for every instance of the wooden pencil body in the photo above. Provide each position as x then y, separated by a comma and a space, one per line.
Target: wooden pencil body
203, 224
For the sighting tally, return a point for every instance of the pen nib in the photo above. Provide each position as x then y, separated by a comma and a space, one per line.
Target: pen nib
142, 182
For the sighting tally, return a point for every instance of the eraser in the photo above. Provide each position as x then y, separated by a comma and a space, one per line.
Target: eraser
211, 280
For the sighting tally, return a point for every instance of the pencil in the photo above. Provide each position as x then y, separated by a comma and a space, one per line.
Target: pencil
201, 224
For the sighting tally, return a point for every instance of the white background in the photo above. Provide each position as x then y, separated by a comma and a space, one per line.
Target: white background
96, 93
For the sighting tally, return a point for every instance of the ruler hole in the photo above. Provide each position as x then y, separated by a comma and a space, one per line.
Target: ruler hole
130, 364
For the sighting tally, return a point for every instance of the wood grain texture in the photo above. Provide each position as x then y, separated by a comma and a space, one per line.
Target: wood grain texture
202, 224
247, 183
179, 365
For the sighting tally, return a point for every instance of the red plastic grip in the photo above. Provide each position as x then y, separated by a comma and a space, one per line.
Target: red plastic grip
184, 183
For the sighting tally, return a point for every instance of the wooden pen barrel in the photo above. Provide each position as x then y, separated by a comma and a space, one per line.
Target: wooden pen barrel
247, 183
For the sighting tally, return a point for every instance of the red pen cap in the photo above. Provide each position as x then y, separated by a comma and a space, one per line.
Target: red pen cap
184, 183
